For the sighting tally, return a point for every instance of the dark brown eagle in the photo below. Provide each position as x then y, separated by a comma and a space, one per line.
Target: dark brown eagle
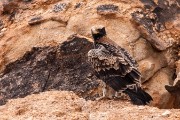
116, 67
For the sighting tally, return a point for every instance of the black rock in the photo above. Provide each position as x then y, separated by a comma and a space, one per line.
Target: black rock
60, 7
62, 67
35, 20
107, 9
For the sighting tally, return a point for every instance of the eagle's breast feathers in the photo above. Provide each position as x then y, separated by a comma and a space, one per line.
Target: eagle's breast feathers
114, 62
115, 66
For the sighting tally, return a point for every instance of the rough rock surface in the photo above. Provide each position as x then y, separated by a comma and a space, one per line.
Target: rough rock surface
157, 22
56, 105
107, 9
143, 28
162, 98
175, 88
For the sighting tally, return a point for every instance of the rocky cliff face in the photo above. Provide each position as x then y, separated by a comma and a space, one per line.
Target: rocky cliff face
37, 53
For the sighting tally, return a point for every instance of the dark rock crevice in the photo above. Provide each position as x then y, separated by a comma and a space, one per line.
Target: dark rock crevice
62, 67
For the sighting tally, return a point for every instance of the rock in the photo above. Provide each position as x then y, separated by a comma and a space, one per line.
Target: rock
152, 23
175, 88
27, 0
152, 64
161, 41
167, 113
178, 66
55, 27
9, 7
1, 35
155, 86
63, 67
1, 25
36, 20
147, 69
142, 49
141, 107
3, 30
78, 5
97, 116
60, 7
107, 9
64, 105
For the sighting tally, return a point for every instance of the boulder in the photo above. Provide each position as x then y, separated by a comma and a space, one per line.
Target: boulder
156, 87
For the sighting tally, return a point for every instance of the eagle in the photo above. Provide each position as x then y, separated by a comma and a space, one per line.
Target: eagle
116, 68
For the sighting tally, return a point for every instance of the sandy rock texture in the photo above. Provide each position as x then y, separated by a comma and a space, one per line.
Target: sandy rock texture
61, 105
33, 33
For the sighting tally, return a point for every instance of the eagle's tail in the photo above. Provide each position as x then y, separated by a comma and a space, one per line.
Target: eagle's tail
139, 97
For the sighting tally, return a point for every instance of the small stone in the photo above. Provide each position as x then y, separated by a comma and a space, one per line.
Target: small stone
35, 20
1, 34
9, 7
107, 9
27, 0
147, 69
166, 113
77, 5
1, 24
4, 29
60, 7
141, 107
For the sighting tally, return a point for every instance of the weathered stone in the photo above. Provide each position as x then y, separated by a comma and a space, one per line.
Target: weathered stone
36, 20
1, 34
142, 49
161, 41
1, 25
65, 105
107, 9
3, 30
167, 113
178, 66
59, 25
152, 64
175, 88
155, 86
9, 7
64, 67
27, 0
60, 7
147, 68
153, 21
78, 5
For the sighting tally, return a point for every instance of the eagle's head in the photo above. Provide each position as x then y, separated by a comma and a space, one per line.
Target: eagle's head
98, 32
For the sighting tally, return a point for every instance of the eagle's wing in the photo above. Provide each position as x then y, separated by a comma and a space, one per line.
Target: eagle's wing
128, 57
114, 68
